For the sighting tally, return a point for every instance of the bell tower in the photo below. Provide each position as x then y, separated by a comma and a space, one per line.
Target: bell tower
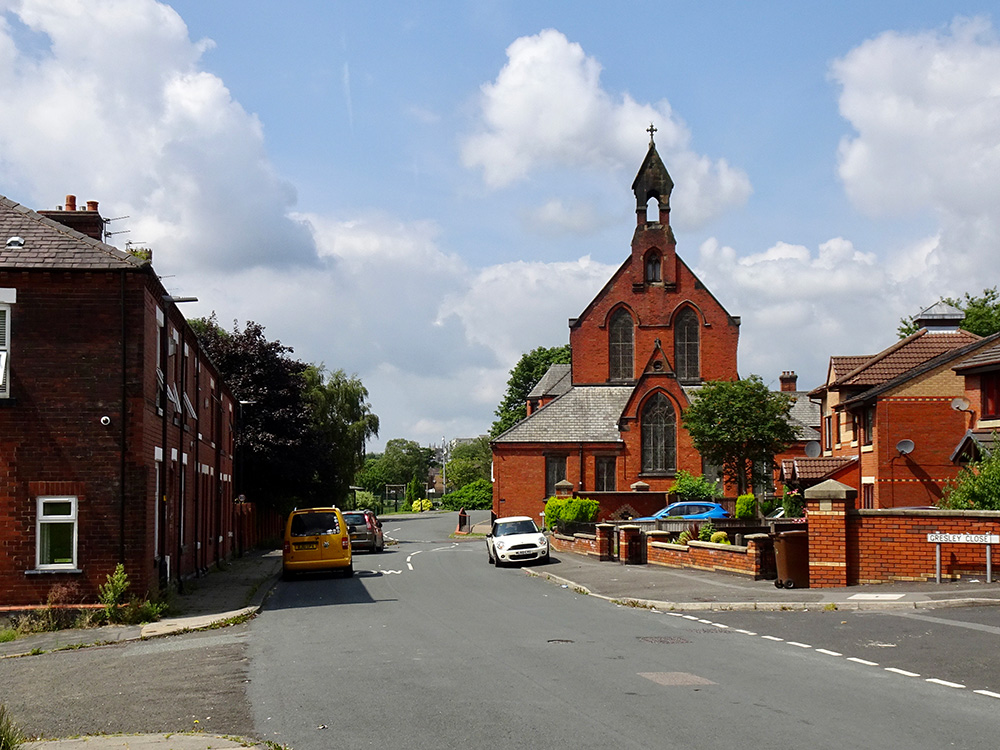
653, 245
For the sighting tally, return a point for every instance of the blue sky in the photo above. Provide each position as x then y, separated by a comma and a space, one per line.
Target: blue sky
418, 193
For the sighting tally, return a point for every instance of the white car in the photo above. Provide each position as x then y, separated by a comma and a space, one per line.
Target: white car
516, 539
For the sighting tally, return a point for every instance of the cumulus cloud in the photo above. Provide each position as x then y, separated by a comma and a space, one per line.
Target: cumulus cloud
925, 107
547, 109
105, 99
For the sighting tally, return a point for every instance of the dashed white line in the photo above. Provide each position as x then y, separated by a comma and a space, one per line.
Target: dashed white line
828, 652
720, 625
987, 693
867, 663
800, 645
745, 632
903, 672
946, 683
772, 638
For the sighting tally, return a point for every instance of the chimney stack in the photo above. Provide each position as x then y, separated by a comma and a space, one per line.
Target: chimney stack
88, 222
789, 380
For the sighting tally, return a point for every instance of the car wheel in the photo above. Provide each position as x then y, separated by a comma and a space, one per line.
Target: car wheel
349, 570
545, 559
287, 575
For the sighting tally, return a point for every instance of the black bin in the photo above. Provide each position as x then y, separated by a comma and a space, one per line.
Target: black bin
791, 553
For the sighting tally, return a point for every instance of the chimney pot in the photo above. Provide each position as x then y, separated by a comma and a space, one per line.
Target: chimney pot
70, 203
91, 205
789, 380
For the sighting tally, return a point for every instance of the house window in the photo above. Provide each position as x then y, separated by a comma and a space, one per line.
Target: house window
620, 345
604, 474
659, 436
555, 472
867, 496
56, 532
4, 350
989, 384
686, 346
869, 424
828, 432
653, 267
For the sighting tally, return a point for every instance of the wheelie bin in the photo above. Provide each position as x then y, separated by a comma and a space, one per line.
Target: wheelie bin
791, 553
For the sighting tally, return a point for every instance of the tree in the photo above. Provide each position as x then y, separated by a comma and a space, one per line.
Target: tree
342, 422
977, 486
740, 425
982, 314
274, 442
469, 461
398, 464
525, 376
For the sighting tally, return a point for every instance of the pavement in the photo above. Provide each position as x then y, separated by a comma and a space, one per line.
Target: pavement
237, 591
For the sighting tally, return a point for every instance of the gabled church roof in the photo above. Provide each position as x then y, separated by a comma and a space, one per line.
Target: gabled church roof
585, 413
29, 240
555, 382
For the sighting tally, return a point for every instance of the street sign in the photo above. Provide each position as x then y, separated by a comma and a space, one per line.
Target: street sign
938, 538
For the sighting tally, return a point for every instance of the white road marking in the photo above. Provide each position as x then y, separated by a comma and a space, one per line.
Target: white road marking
945, 683
745, 632
771, 638
392, 572
901, 671
987, 693
867, 663
720, 625
800, 645
828, 652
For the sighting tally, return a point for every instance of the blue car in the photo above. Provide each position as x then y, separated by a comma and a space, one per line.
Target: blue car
689, 511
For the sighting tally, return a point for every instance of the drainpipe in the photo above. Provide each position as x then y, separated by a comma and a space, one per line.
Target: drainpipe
123, 434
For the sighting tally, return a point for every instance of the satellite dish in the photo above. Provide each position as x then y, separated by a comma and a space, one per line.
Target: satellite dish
904, 447
960, 404
813, 449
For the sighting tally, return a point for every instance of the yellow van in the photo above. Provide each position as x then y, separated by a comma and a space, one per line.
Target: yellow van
316, 539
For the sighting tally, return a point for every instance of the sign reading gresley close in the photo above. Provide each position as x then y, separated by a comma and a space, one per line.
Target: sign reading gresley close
964, 538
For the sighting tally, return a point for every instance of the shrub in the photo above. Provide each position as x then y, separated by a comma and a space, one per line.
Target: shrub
706, 531
560, 511
419, 506
684, 537
689, 487
792, 503
476, 495
720, 537
111, 592
746, 506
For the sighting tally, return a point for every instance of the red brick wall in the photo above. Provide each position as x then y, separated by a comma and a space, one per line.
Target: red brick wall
723, 558
66, 374
893, 546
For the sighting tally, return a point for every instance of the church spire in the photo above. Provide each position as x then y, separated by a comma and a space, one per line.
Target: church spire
652, 181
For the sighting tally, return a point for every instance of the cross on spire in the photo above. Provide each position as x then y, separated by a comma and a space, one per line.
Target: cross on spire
651, 129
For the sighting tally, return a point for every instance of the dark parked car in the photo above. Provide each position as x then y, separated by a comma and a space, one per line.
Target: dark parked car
689, 510
365, 529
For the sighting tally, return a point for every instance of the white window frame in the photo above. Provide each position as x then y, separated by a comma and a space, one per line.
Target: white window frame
4, 350
44, 519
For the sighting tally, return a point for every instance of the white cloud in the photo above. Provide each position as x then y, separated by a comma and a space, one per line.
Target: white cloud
105, 100
925, 108
547, 109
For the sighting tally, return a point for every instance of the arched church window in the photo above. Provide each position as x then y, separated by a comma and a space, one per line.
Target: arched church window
620, 346
659, 435
653, 267
686, 346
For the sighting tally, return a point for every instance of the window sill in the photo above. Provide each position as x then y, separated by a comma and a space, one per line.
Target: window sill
50, 571
669, 473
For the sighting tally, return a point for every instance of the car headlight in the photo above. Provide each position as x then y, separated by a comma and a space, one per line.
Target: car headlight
500, 545
542, 541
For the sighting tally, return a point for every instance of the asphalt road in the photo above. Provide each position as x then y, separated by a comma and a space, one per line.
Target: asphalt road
430, 647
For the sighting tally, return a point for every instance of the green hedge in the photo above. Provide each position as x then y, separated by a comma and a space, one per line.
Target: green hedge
476, 495
560, 511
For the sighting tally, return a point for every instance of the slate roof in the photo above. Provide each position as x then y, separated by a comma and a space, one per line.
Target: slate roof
974, 444
556, 381
51, 245
804, 416
585, 413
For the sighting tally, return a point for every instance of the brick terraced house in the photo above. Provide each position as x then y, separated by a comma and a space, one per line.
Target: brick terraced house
610, 422
892, 421
116, 432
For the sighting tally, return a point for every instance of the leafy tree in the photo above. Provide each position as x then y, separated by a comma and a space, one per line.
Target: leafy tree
982, 314
477, 495
525, 376
469, 461
374, 475
740, 425
342, 422
977, 486
405, 459
687, 486
274, 442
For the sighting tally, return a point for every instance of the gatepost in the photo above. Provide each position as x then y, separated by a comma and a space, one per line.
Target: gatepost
826, 508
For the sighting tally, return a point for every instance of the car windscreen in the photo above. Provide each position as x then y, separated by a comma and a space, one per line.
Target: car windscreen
314, 524
354, 519
516, 527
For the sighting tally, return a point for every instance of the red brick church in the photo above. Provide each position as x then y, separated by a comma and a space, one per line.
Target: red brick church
610, 423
